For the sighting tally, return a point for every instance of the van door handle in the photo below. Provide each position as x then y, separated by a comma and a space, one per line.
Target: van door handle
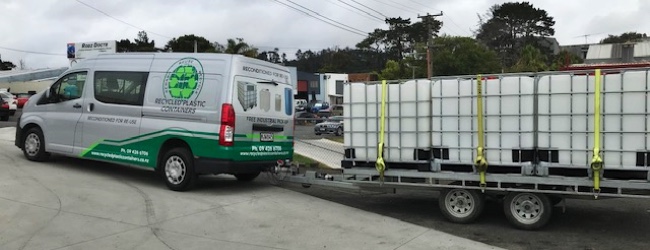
91, 107
76, 105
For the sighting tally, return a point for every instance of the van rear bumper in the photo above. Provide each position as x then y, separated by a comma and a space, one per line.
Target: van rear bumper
221, 166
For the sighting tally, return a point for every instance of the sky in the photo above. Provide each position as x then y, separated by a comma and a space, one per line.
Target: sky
37, 31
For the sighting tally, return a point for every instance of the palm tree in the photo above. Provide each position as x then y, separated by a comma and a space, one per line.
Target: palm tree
238, 46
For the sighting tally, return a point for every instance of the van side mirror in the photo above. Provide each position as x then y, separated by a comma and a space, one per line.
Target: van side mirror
48, 93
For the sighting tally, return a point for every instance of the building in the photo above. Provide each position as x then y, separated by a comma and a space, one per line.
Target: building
25, 81
308, 86
617, 55
331, 85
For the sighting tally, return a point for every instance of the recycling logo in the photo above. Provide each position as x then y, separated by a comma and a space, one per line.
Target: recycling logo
184, 79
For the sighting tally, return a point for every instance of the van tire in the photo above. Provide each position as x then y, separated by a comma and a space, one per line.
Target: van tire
34, 145
247, 177
177, 169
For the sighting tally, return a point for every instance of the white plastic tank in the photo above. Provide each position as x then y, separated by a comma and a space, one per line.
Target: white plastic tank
407, 123
508, 108
566, 117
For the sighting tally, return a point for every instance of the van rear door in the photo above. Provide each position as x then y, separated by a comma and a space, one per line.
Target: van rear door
264, 117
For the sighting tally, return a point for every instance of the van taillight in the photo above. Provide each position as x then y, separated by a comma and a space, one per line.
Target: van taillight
5, 105
227, 131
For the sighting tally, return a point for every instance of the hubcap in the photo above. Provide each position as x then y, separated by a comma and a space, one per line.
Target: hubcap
32, 144
175, 170
527, 208
459, 203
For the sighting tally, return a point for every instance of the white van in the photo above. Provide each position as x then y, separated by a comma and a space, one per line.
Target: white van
179, 113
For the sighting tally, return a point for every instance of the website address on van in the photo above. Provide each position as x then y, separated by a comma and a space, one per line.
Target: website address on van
119, 157
262, 153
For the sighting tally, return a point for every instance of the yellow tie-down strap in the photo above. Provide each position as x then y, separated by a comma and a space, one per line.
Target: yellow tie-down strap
380, 165
480, 162
596, 160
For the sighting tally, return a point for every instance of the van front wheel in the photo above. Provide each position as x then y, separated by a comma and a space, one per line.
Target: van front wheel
178, 169
34, 145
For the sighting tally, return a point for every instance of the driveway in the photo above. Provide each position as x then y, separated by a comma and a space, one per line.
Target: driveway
78, 204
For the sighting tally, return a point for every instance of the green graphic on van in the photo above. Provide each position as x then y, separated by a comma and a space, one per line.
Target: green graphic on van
184, 79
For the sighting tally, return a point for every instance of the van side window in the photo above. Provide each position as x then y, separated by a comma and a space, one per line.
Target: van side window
69, 87
120, 87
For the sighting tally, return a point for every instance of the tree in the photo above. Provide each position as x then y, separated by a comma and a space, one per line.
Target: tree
531, 60
398, 41
238, 46
271, 56
625, 37
140, 44
564, 59
391, 72
509, 27
463, 56
186, 43
6, 65
125, 45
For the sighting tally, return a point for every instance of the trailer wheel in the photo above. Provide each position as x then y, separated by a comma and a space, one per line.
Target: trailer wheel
529, 211
461, 205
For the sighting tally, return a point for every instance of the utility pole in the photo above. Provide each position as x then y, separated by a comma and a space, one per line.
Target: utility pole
429, 20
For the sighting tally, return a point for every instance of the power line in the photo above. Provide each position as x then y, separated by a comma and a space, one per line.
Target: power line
455, 24
124, 22
352, 31
367, 13
352, 10
32, 52
397, 6
326, 17
420, 4
369, 8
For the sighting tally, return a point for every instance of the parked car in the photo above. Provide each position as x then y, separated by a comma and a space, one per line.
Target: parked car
318, 106
21, 99
11, 102
4, 109
333, 125
303, 118
337, 110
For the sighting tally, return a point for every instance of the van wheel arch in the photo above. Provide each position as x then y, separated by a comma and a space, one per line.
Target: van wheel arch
35, 150
24, 132
170, 144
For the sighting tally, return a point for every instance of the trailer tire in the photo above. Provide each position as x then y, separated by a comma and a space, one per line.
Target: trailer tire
461, 205
529, 211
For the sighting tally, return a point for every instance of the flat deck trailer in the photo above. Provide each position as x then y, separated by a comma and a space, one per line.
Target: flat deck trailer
531, 139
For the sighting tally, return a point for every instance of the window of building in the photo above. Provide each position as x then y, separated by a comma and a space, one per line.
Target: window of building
120, 87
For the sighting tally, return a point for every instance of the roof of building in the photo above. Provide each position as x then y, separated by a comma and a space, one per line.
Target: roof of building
30, 74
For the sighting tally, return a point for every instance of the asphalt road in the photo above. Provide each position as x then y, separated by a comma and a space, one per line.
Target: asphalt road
12, 120
586, 224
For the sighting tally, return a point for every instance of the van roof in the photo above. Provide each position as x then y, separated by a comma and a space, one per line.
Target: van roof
179, 55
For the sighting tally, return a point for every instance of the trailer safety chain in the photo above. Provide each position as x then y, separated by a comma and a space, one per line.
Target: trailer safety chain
480, 162
380, 164
596, 160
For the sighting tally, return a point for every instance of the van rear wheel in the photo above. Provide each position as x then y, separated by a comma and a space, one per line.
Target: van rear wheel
247, 177
177, 169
